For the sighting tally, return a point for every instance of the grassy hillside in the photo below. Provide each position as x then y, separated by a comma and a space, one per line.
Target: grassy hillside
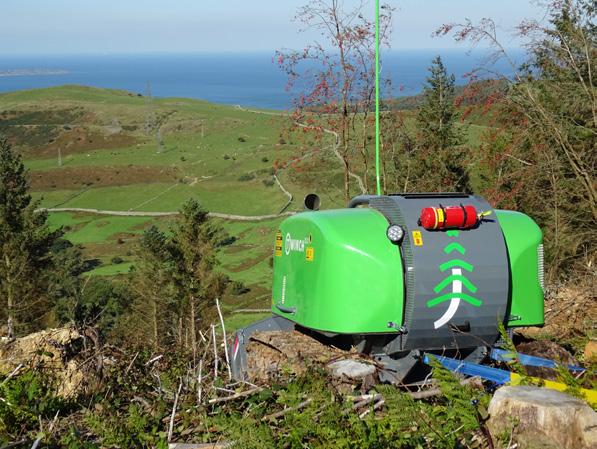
118, 151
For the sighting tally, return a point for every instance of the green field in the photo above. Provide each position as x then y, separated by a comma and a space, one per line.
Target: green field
117, 151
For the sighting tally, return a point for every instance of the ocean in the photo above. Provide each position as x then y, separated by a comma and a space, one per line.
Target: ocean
247, 79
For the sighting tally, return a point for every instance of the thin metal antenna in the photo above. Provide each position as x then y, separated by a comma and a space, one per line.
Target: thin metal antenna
378, 181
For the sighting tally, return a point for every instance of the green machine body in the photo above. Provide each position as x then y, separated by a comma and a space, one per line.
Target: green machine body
338, 272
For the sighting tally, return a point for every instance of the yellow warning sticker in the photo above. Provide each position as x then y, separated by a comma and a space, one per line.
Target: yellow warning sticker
279, 243
310, 254
417, 238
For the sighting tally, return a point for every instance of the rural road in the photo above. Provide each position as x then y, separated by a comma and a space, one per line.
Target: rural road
123, 213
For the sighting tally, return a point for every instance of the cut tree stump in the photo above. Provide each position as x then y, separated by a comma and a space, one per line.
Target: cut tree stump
540, 418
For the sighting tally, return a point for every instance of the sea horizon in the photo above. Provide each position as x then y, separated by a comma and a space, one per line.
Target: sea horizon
244, 78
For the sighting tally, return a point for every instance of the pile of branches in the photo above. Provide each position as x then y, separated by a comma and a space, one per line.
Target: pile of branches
148, 398
152, 398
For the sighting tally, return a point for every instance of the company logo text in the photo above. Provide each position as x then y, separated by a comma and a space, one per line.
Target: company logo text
294, 244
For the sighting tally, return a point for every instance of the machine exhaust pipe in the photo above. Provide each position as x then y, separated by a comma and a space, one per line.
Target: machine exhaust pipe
312, 202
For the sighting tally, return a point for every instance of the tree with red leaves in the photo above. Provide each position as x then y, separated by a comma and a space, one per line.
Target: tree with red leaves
541, 156
334, 79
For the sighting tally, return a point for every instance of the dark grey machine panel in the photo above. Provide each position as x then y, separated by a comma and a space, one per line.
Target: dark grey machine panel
456, 282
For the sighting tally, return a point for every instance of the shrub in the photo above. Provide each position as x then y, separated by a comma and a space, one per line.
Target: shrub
227, 240
132, 427
246, 177
264, 159
116, 260
242, 139
238, 288
444, 422
26, 399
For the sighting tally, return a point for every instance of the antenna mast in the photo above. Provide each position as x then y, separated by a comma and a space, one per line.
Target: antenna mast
377, 177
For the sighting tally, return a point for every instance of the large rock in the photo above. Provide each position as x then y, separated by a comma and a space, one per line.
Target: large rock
351, 369
539, 418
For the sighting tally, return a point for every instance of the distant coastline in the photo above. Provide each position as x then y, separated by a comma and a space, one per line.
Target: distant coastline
32, 72
250, 79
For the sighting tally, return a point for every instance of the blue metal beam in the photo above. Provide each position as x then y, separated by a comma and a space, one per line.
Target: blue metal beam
499, 376
501, 355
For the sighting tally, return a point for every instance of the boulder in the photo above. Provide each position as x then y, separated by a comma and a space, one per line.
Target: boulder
351, 369
540, 418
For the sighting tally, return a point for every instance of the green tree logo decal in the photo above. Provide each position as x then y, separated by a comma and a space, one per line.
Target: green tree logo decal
456, 280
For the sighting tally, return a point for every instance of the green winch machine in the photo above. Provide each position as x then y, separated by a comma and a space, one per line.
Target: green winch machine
400, 275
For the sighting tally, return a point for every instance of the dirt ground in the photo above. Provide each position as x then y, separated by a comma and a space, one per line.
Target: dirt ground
41, 133
570, 312
82, 140
72, 178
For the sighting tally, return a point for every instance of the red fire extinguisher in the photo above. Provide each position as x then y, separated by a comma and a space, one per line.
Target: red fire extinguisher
450, 217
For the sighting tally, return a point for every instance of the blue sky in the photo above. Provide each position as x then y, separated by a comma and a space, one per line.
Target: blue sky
124, 26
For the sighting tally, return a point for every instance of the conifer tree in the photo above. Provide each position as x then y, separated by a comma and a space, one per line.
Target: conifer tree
84, 301
68, 286
175, 281
153, 286
441, 160
25, 247
437, 116
193, 246
540, 157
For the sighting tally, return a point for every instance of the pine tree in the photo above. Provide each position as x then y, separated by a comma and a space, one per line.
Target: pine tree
153, 286
441, 161
437, 116
68, 286
25, 247
193, 246
175, 281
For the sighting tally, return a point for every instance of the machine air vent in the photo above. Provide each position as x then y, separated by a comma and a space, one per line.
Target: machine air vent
541, 267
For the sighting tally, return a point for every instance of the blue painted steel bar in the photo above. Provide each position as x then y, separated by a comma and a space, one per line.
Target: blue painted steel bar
496, 375
501, 355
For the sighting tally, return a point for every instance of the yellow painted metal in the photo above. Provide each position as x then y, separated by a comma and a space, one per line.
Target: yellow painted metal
590, 395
